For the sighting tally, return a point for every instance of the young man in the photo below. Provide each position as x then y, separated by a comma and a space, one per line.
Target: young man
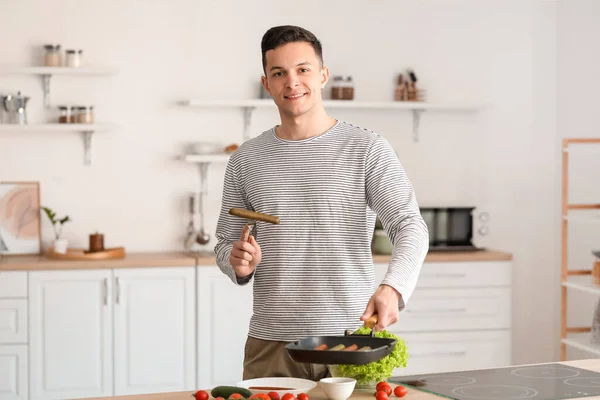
326, 180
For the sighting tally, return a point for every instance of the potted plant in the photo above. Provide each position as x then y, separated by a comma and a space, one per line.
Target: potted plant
60, 244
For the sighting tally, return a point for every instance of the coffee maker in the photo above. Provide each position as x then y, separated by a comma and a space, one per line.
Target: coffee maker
13, 107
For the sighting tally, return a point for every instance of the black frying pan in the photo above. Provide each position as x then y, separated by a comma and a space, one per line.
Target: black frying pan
305, 350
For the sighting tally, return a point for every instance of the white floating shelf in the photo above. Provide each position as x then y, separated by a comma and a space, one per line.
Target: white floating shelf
591, 219
416, 107
48, 72
86, 129
393, 105
206, 158
583, 283
581, 341
84, 70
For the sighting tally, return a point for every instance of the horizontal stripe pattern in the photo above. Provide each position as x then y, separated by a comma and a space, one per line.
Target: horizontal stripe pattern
316, 275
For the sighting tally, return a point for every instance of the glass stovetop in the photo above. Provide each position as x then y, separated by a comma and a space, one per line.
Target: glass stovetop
551, 381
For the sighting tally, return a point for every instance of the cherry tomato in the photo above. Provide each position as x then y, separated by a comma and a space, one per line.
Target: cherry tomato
273, 395
220, 398
256, 396
400, 391
386, 387
235, 396
303, 396
381, 395
201, 395
265, 396
288, 396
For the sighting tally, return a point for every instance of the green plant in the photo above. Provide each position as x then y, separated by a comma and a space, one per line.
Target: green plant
52, 217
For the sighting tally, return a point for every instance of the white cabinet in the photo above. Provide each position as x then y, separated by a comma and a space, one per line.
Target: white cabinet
154, 326
13, 372
458, 318
111, 332
71, 334
224, 311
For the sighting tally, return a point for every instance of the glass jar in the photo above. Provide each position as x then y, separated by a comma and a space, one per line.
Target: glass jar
337, 88
348, 89
85, 115
73, 115
52, 55
74, 58
63, 117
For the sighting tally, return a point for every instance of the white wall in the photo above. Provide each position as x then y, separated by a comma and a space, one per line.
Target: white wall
502, 160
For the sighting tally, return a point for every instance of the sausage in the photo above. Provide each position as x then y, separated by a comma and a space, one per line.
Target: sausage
240, 212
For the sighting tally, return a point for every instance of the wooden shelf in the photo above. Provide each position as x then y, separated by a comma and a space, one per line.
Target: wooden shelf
48, 72
416, 107
581, 341
87, 130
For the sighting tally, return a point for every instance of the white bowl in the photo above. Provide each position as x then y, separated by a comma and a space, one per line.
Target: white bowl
338, 388
287, 385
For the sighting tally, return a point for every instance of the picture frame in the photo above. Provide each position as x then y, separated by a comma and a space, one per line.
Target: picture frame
20, 218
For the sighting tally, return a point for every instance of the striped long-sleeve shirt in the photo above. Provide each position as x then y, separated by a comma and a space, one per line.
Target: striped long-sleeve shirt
317, 275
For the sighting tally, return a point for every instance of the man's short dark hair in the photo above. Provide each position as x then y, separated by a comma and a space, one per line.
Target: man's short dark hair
280, 35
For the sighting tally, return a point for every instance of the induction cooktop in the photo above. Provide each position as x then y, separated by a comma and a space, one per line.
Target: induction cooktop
550, 381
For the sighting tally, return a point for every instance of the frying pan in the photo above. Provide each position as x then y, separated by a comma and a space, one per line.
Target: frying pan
304, 351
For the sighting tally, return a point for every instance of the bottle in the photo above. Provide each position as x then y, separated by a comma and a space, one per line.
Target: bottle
400, 94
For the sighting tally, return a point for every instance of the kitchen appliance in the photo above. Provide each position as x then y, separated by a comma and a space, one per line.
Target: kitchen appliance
14, 109
451, 228
303, 350
551, 381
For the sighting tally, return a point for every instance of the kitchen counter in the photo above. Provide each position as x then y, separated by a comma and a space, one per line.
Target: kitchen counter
317, 393
181, 259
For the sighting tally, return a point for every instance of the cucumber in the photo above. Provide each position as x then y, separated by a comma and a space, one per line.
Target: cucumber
226, 391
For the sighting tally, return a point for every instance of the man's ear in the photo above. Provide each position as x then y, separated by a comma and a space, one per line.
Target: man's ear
265, 84
324, 76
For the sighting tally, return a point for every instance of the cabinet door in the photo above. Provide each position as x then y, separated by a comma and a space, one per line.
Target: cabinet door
154, 321
224, 311
70, 329
13, 372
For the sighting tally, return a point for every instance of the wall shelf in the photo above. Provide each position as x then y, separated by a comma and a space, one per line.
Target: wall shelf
87, 131
416, 107
581, 341
47, 72
206, 158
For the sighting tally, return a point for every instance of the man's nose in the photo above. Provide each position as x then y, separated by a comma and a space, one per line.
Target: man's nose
292, 80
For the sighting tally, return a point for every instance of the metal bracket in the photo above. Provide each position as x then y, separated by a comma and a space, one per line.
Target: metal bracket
87, 147
46, 83
416, 117
247, 118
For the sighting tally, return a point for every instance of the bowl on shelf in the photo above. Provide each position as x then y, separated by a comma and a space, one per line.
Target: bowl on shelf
206, 148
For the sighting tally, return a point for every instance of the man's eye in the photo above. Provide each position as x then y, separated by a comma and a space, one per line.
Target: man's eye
278, 73
304, 70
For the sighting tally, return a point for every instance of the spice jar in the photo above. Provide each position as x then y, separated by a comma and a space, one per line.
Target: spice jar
52, 55
348, 89
63, 117
337, 88
85, 115
73, 115
400, 93
74, 58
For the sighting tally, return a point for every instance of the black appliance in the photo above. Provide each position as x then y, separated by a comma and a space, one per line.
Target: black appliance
450, 228
551, 381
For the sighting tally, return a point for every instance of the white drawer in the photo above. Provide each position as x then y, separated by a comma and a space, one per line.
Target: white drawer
13, 284
13, 321
14, 372
465, 274
455, 309
444, 352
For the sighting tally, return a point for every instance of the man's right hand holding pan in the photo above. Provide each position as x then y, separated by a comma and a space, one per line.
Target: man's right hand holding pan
245, 254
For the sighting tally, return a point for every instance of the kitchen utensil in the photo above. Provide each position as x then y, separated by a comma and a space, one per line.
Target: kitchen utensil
303, 350
254, 217
203, 237
196, 213
14, 107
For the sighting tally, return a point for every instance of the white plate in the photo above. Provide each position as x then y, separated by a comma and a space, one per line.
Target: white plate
293, 385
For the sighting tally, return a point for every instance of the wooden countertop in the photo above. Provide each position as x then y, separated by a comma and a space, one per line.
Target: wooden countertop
182, 259
317, 393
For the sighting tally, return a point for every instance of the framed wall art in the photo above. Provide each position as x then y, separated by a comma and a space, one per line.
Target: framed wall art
20, 218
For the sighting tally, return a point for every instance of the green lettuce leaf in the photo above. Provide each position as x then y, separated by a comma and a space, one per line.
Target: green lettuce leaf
378, 370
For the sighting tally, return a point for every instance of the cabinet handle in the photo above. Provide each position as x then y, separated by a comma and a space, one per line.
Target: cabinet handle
105, 291
438, 310
117, 289
440, 353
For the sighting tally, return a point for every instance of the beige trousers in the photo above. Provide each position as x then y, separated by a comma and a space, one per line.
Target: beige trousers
265, 358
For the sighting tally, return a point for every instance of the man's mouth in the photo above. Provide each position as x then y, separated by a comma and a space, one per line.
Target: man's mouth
295, 96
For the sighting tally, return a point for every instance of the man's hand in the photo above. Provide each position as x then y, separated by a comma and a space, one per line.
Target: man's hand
245, 254
384, 302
